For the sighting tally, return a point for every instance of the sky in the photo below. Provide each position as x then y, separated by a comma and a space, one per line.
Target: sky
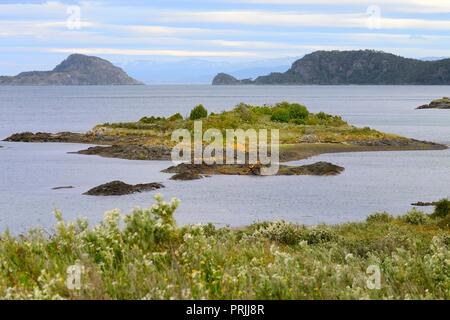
36, 35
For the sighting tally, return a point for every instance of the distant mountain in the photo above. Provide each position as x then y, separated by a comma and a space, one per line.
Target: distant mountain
76, 70
354, 67
199, 71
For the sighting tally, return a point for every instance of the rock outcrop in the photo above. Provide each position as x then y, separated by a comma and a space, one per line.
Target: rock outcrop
130, 152
443, 103
186, 171
76, 70
119, 188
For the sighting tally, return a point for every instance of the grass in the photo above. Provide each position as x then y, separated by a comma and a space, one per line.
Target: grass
293, 120
145, 255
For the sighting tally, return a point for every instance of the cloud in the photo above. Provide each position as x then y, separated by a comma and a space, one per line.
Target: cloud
153, 52
296, 19
418, 6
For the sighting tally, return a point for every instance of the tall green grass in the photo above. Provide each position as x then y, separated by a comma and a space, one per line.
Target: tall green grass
145, 255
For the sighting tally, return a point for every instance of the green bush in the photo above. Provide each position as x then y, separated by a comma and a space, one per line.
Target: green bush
415, 217
280, 115
151, 119
198, 113
244, 112
380, 217
175, 117
297, 111
442, 209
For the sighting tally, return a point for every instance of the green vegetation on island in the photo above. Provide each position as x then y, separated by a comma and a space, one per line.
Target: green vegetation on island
295, 122
302, 133
145, 255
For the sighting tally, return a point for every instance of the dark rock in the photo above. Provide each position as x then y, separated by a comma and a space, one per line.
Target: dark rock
423, 204
76, 70
130, 152
399, 143
64, 187
184, 176
118, 188
194, 170
48, 137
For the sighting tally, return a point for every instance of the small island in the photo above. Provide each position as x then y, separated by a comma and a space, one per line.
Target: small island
443, 103
303, 134
76, 70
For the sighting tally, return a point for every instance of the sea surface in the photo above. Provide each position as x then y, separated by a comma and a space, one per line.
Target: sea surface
372, 181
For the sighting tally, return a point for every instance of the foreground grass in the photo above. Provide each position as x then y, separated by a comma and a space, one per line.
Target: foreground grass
146, 256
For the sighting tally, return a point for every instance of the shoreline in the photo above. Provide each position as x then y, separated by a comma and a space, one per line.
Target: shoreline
135, 150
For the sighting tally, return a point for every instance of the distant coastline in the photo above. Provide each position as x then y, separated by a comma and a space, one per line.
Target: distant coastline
363, 67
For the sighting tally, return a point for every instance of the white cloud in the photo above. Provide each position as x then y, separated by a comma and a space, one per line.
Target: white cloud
152, 52
418, 6
296, 19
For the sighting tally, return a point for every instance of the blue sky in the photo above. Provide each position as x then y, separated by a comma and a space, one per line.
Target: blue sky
36, 35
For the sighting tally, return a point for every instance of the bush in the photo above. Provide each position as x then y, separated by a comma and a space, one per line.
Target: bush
280, 231
175, 117
380, 217
320, 235
415, 217
280, 115
151, 119
442, 209
198, 113
244, 112
298, 111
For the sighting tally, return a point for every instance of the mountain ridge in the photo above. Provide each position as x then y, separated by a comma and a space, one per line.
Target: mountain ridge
76, 70
362, 67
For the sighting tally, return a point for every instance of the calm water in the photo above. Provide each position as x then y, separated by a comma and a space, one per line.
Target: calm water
372, 181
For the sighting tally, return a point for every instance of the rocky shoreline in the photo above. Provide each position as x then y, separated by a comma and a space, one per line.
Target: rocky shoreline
131, 149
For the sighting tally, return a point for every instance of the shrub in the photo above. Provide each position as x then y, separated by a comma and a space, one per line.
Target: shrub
297, 111
280, 231
244, 112
319, 235
262, 110
442, 209
323, 116
280, 115
380, 217
198, 113
175, 117
151, 119
415, 217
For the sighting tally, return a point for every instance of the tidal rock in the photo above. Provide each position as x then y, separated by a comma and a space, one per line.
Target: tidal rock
196, 170
48, 137
63, 187
130, 152
119, 188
